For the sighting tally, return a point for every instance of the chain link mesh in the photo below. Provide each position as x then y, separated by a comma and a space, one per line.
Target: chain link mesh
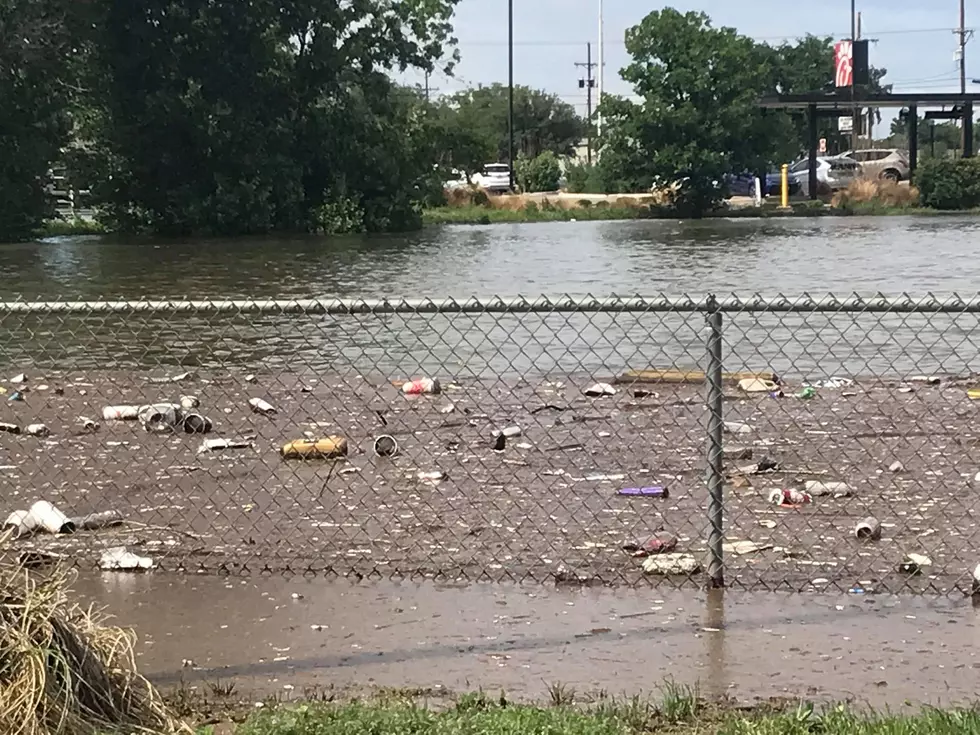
606, 489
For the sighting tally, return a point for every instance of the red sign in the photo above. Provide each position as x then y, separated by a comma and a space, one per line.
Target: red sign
844, 58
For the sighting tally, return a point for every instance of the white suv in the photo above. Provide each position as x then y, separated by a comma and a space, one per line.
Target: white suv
495, 178
883, 163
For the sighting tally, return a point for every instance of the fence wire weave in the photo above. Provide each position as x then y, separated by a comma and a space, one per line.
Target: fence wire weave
736, 441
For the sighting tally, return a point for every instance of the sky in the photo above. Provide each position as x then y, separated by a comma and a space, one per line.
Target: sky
917, 46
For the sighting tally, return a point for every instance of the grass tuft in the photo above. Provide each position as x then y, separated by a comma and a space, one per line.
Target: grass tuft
681, 712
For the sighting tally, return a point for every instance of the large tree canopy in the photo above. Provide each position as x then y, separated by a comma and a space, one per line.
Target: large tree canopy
476, 121
35, 91
698, 117
225, 116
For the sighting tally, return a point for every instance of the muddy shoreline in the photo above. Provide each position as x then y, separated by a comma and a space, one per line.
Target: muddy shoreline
547, 505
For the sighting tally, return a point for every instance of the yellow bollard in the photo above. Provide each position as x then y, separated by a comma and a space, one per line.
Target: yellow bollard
784, 192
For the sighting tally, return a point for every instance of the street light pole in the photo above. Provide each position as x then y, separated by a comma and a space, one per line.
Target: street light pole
855, 115
510, 90
602, 73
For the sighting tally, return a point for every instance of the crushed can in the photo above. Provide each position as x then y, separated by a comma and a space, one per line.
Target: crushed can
37, 430
331, 447
195, 423
421, 386
868, 529
260, 406
189, 403
385, 446
659, 543
790, 497
160, 417
120, 413
9, 428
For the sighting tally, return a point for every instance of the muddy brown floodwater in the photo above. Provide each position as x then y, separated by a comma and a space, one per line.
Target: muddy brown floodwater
547, 502
291, 638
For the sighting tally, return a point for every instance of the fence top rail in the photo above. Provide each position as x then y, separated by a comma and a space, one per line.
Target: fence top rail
756, 303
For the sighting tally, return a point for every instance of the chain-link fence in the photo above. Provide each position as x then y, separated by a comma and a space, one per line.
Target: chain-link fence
618, 441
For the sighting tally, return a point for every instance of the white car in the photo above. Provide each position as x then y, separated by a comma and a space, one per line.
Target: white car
459, 181
495, 178
833, 173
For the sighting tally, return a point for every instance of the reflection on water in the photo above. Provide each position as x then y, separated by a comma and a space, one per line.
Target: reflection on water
890, 255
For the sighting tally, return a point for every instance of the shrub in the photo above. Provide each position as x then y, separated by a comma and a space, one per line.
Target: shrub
539, 174
876, 191
467, 196
596, 179
949, 183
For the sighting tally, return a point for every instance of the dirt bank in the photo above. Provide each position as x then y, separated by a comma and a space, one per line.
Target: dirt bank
548, 500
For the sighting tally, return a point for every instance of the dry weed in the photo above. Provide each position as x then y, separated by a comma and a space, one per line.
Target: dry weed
61, 671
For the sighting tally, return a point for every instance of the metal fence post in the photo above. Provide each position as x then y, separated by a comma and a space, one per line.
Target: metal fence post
715, 475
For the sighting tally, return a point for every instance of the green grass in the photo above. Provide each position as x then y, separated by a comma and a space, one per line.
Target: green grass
679, 712
476, 215
62, 228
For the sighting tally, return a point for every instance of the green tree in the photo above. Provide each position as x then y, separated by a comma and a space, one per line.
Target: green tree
542, 122
227, 117
541, 173
35, 93
699, 118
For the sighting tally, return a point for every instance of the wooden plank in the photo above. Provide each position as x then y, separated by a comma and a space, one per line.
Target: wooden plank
693, 377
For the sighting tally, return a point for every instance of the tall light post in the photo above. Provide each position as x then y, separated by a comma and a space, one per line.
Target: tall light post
855, 115
602, 71
510, 90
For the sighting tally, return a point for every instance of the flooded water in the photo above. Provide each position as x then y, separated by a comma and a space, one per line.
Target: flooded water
793, 256
281, 636
520, 639
891, 255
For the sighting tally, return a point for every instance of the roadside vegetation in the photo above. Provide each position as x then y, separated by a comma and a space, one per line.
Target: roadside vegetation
305, 133
678, 712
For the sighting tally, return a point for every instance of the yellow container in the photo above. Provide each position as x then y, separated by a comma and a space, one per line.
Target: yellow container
330, 447
974, 394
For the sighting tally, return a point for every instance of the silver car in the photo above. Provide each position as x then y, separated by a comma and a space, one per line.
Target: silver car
883, 163
833, 173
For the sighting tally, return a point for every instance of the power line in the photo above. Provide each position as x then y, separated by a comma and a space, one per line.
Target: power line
792, 37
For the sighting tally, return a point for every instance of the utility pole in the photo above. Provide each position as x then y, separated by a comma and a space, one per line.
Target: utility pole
964, 36
962, 32
426, 89
588, 83
510, 90
602, 69
855, 113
